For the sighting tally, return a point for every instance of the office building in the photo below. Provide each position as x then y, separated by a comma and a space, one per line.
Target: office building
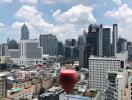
30, 52
4, 49
98, 67
71, 49
24, 32
14, 55
49, 43
106, 42
121, 45
130, 51
95, 39
60, 49
81, 46
114, 39
70, 42
12, 44
71, 52
94, 43
115, 86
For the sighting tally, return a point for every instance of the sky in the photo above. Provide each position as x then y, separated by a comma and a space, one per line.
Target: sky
64, 18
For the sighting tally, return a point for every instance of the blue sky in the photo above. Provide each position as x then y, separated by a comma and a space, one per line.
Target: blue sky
64, 18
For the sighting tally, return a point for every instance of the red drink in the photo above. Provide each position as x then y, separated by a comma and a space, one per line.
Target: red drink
68, 79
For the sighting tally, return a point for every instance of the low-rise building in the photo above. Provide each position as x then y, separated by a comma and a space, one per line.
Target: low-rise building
130, 88
18, 93
47, 82
73, 97
21, 75
3, 88
52, 94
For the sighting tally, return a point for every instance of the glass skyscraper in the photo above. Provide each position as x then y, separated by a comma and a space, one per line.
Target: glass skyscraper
24, 32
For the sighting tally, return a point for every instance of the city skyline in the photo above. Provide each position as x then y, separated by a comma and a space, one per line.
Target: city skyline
63, 18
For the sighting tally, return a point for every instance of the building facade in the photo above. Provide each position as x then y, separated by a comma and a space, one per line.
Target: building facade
115, 86
106, 42
24, 32
81, 46
95, 39
4, 49
130, 51
98, 67
49, 43
114, 39
30, 52
60, 49
12, 44
121, 45
2, 86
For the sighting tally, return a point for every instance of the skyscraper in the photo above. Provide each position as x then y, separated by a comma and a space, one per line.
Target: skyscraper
93, 45
106, 42
24, 32
121, 45
70, 42
49, 43
129, 44
95, 39
71, 49
115, 39
60, 49
82, 45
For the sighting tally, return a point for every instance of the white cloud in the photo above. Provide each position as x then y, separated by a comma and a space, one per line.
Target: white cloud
29, 1
76, 15
27, 12
74, 20
117, 2
49, 1
6, 1
2, 25
63, 1
33, 18
124, 17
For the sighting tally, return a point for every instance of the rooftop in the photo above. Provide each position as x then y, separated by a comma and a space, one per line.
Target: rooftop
103, 58
77, 97
4, 73
54, 89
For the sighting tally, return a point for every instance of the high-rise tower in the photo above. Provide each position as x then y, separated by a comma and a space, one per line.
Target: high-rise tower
24, 32
115, 39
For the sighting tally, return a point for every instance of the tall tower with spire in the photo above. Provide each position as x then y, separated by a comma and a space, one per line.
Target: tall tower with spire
24, 32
